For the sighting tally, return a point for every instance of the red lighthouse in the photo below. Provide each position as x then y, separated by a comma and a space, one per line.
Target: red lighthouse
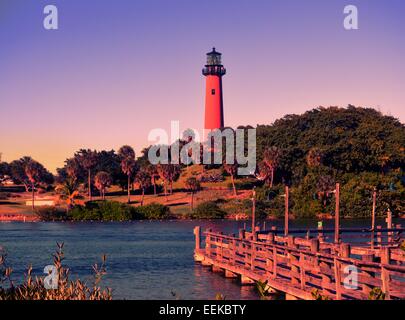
214, 107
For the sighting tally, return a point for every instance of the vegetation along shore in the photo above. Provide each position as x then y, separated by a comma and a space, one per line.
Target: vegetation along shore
360, 148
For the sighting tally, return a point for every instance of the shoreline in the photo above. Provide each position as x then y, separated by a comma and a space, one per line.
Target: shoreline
5, 218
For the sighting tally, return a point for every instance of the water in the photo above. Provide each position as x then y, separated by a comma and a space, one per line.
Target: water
145, 260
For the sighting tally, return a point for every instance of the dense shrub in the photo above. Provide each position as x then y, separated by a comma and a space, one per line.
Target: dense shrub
50, 213
111, 210
244, 206
357, 190
102, 210
81, 213
153, 211
117, 211
270, 201
208, 210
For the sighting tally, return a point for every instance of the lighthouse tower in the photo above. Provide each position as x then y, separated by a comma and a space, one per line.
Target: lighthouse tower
214, 106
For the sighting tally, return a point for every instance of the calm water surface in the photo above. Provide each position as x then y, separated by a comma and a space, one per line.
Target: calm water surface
145, 260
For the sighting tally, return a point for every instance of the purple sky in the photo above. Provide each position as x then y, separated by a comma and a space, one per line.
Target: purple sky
117, 69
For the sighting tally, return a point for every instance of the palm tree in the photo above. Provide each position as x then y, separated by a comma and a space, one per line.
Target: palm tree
174, 174
33, 170
102, 181
68, 192
88, 159
163, 172
232, 170
271, 158
153, 174
72, 168
126, 152
193, 185
128, 164
144, 181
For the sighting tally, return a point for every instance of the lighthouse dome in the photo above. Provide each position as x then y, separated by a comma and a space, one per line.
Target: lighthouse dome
214, 58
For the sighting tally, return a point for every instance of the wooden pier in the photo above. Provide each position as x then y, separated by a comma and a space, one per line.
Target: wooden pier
298, 266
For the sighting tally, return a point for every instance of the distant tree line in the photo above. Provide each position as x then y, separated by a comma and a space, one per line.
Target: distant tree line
360, 148
357, 147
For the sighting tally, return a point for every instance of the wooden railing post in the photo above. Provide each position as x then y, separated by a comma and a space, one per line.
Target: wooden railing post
379, 236
197, 233
220, 240
337, 213
242, 233
385, 278
232, 251
314, 245
302, 271
345, 250
338, 279
208, 243
365, 287
252, 256
274, 262
295, 272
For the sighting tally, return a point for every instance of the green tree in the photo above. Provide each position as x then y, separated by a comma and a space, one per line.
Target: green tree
36, 174
88, 160
271, 159
68, 191
153, 174
102, 181
144, 181
232, 170
193, 185
127, 156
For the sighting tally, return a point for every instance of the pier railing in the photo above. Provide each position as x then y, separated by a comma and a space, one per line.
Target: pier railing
301, 266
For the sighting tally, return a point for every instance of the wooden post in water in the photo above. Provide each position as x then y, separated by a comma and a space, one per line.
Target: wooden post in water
286, 211
254, 214
337, 214
373, 218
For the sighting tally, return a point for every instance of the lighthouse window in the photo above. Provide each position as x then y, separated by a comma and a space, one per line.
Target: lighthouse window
213, 92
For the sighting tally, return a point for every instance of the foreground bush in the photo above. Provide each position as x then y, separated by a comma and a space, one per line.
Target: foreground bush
208, 210
34, 289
